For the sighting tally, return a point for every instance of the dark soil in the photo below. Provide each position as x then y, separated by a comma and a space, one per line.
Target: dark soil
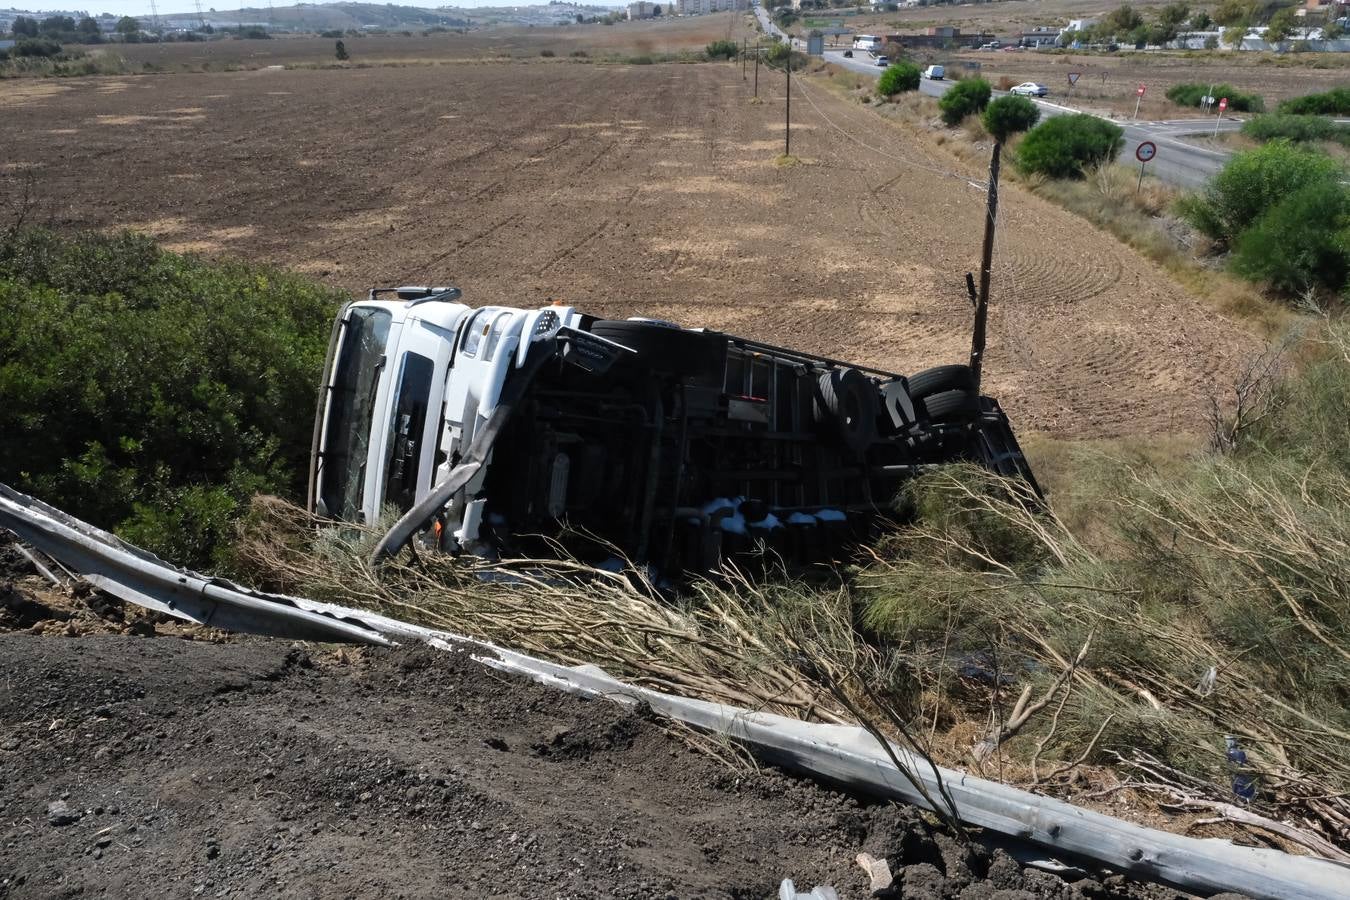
169, 767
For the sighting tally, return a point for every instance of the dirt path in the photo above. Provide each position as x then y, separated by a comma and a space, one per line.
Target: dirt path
641, 190
256, 768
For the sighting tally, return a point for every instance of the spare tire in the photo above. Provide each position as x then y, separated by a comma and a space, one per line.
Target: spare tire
940, 378
848, 407
952, 406
667, 347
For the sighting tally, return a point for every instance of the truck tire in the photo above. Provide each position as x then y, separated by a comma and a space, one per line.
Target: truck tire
848, 407
952, 406
668, 348
940, 378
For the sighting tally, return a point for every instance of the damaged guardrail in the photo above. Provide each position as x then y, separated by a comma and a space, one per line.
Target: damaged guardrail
844, 754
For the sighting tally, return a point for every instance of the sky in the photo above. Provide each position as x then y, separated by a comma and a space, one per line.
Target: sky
167, 7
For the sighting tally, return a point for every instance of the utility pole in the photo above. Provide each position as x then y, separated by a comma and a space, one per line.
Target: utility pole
986, 269
787, 109
745, 44
756, 67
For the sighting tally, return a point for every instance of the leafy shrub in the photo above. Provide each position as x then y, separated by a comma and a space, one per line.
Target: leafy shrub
36, 47
1062, 147
547, 53
1252, 183
1010, 115
1335, 102
1302, 242
964, 98
1297, 128
331, 33
578, 54
1191, 94
723, 50
898, 77
153, 393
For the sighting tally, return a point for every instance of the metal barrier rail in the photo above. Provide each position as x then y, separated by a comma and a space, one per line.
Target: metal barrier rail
844, 754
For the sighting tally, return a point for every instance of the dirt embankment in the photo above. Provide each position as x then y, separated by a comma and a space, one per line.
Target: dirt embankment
167, 767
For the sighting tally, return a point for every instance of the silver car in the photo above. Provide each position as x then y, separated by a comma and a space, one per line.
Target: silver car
1029, 89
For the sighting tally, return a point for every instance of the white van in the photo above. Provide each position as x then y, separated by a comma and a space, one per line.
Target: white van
869, 42
934, 73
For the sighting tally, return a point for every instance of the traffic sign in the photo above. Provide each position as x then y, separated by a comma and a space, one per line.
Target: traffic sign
1140, 90
1223, 103
1073, 77
1146, 151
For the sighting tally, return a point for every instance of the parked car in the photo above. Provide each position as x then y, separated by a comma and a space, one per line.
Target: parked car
848, 53
883, 61
934, 73
1030, 89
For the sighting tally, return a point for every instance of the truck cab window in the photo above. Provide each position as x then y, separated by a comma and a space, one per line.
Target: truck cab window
406, 428
356, 377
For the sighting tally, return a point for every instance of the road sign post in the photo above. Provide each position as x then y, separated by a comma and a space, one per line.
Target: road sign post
1073, 79
1223, 104
1138, 98
1144, 152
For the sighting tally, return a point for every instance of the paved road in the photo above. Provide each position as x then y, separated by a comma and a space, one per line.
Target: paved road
1181, 163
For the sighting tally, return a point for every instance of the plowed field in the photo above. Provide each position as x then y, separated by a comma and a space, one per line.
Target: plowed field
642, 190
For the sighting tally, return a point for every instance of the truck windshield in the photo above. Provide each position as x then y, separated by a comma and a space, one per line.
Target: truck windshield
351, 404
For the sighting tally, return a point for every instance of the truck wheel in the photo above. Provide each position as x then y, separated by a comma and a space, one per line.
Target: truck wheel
952, 406
667, 347
848, 406
940, 378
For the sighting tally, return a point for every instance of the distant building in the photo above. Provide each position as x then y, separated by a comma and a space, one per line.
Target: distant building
706, 7
939, 37
641, 10
1040, 36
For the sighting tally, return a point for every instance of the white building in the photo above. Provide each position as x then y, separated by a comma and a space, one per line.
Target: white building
641, 10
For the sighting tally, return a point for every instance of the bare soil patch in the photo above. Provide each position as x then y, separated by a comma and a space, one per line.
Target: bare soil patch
163, 767
638, 190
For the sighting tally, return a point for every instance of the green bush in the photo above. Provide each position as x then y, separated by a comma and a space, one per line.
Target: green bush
1335, 102
1062, 147
1010, 115
898, 77
1301, 243
152, 393
723, 50
965, 98
1253, 182
1297, 128
1191, 94
36, 47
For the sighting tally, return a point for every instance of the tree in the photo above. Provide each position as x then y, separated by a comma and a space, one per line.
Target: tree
58, 25
1064, 146
1301, 242
1010, 115
341, 51
1201, 21
964, 98
22, 26
1281, 24
1211, 43
88, 29
127, 26
899, 77
1233, 12
1332, 31
656, 10
1123, 20
1234, 36
1174, 14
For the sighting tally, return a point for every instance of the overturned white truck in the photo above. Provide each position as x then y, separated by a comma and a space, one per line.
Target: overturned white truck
500, 431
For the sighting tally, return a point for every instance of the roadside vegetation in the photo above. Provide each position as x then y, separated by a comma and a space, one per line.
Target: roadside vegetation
1194, 94
1068, 146
899, 77
967, 97
153, 393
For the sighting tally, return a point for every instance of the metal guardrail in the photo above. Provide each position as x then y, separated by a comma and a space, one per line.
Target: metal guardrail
844, 754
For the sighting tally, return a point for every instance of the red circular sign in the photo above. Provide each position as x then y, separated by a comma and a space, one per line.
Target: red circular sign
1223, 103
1145, 151
1140, 91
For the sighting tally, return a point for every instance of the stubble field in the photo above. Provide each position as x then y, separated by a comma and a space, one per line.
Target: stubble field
642, 190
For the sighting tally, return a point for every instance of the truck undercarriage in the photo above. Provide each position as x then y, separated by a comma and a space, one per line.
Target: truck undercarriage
636, 440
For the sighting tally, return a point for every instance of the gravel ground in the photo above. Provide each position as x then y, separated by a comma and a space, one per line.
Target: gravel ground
171, 767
